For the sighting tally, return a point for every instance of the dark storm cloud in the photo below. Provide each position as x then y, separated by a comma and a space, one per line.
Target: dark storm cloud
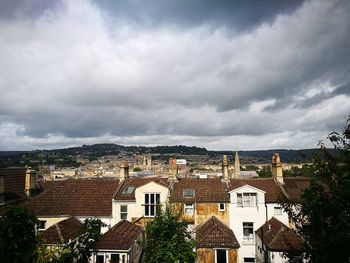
12, 9
240, 15
279, 78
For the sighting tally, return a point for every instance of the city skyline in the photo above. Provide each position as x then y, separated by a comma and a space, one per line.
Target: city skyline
221, 75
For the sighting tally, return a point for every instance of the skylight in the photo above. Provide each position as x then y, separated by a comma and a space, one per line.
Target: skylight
128, 190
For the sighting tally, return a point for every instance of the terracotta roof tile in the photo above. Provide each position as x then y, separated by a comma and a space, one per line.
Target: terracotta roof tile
135, 183
273, 193
205, 190
295, 186
278, 237
76, 197
62, 232
215, 234
120, 237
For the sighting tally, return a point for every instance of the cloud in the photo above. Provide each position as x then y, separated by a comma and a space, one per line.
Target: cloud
74, 74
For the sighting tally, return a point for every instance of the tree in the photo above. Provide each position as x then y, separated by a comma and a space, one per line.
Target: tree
167, 238
81, 249
322, 215
18, 236
265, 172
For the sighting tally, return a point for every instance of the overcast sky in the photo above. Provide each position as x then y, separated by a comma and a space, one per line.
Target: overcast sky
217, 74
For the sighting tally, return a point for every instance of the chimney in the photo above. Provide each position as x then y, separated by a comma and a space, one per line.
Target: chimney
224, 168
172, 168
237, 173
124, 171
30, 182
276, 168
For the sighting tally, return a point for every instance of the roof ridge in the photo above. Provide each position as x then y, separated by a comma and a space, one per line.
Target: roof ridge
59, 233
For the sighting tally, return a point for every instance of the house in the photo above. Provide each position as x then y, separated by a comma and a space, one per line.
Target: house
200, 199
216, 242
17, 184
81, 198
138, 198
273, 239
120, 244
62, 232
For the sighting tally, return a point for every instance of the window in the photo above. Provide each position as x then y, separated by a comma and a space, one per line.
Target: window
123, 258
248, 232
151, 202
128, 190
100, 259
221, 256
188, 193
189, 208
246, 199
42, 225
249, 260
123, 212
115, 258
221, 207
277, 210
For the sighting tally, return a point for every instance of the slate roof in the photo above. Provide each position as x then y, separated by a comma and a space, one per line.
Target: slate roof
215, 234
120, 237
62, 232
75, 197
278, 237
205, 191
273, 192
295, 186
137, 182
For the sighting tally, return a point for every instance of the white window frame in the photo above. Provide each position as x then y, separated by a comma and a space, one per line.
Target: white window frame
277, 210
245, 261
42, 222
224, 207
247, 199
150, 208
226, 250
248, 238
189, 207
123, 212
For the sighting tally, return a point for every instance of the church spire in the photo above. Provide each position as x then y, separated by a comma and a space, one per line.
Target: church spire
237, 173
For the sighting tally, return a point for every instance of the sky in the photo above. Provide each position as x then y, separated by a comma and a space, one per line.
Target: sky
224, 75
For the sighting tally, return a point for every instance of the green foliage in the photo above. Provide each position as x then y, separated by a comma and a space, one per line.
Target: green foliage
306, 171
167, 239
81, 248
265, 172
137, 169
323, 215
17, 236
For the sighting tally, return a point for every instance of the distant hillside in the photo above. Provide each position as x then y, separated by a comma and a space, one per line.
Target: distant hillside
67, 156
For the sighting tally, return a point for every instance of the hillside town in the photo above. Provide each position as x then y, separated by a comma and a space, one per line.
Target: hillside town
234, 215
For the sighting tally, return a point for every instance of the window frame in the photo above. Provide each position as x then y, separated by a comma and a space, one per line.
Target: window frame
189, 206
150, 207
275, 208
250, 227
123, 213
216, 254
224, 207
188, 192
42, 223
247, 199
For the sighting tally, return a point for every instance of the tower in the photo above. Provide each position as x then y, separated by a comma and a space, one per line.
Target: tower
237, 173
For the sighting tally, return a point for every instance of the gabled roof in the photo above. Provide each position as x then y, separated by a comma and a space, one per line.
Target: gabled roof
205, 191
120, 237
75, 197
273, 193
62, 232
124, 195
215, 234
295, 186
278, 237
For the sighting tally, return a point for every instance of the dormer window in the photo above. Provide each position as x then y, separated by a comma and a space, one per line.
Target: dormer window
246, 199
188, 193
